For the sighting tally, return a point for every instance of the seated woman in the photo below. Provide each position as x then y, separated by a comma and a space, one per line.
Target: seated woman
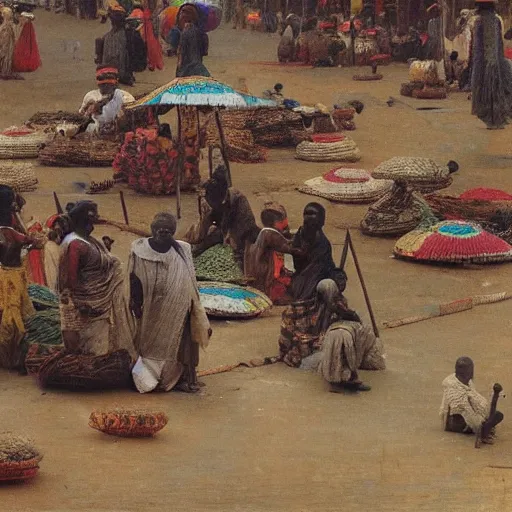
226, 217
315, 261
264, 260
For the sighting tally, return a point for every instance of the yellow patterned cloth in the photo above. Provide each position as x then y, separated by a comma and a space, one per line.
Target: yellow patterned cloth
15, 307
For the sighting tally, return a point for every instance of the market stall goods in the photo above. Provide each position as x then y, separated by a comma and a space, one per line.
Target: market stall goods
18, 175
25, 144
397, 212
424, 174
453, 242
218, 264
19, 458
48, 121
424, 71
128, 423
226, 300
83, 152
347, 186
486, 194
430, 93
342, 151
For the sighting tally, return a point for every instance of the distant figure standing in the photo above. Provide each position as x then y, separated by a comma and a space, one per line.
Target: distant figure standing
491, 78
435, 45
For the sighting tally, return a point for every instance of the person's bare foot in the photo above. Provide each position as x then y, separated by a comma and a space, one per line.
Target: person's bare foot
353, 387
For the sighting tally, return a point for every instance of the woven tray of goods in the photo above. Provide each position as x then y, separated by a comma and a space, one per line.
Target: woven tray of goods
19, 459
218, 264
128, 423
345, 185
18, 143
336, 148
225, 300
453, 242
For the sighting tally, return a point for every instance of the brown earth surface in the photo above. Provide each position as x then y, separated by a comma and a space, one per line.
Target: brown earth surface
273, 438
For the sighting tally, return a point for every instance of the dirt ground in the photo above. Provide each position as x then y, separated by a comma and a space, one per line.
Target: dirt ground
273, 438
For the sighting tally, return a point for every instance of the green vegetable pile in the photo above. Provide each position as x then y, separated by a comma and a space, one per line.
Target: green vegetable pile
218, 264
43, 327
42, 297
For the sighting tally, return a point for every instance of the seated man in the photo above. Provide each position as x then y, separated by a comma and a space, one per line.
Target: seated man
226, 217
463, 409
105, 104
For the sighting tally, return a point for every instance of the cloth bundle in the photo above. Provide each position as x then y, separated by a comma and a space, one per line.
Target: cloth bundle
424, 71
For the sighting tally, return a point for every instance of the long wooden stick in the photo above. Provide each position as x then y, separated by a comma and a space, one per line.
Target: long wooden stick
363, 285
178, 165
124, 227
223, 146
123, 206
58, 206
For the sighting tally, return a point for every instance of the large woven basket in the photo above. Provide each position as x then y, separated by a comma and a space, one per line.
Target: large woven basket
343, 151
453, 242
86, 152
398, 211
19, 459
423, 174
18, 175
225, 300
347, 186
23, 146
126, 423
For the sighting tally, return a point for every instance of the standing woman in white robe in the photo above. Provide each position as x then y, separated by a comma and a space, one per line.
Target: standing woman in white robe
172, 324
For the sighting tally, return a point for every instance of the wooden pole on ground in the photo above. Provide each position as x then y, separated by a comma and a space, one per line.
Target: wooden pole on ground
223, 146
58, 206
123, 206
349, 243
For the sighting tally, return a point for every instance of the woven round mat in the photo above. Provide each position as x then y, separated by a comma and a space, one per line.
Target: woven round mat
453, 242
18, 175
226, 300
423, 173
25, 146
342, 151
347, 186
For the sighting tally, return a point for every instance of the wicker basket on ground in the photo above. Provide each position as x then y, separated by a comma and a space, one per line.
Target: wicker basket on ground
22, 146
397, 212
423, 174
342, 151
430, 93
18, 175
347, 186
453, 242
19, 459
79, 152
128, 423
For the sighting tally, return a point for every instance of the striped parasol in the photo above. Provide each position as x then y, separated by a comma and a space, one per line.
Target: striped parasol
199, 91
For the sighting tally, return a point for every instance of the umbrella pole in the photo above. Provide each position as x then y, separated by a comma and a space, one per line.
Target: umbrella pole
178, 167
223, 146
210, 161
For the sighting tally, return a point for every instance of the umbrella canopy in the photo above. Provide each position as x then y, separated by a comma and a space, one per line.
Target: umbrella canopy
199, 91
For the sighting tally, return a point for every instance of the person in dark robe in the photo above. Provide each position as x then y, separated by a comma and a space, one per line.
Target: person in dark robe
190, 42
113, 48
491, 72
316, 263
435, 44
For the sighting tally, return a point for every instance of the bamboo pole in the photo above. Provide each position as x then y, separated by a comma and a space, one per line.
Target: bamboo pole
223, 146
123, 206
363, 285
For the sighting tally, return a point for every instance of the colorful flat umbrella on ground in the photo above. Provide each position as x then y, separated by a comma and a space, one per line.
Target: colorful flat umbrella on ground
200, 91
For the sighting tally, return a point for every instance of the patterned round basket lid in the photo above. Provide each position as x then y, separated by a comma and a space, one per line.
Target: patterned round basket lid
128, 423
19, 459
453, 242
412, 170
347, 185
486, 194
226, 300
